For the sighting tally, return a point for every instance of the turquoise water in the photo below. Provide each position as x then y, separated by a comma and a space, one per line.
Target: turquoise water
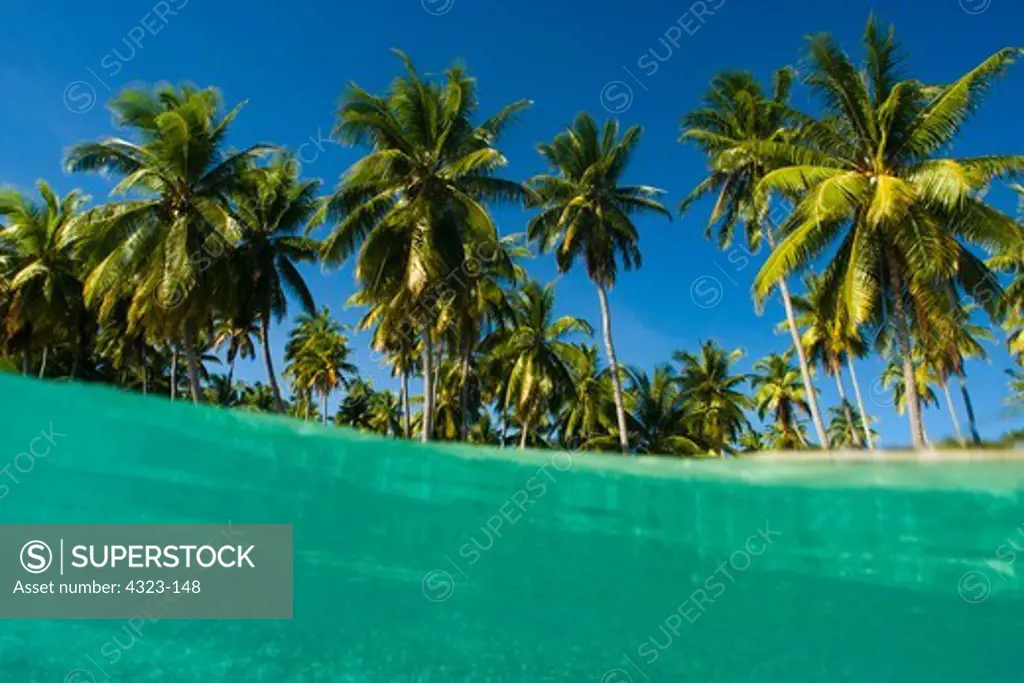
450, 564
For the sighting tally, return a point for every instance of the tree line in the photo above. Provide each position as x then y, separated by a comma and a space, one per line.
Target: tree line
197, 253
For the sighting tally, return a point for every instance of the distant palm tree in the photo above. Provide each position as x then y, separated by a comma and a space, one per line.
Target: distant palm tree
539, 355
272, 206
893, 377
951, 338
356, 409
221, 391
712, 392
386, 413
843, 428
659, 416
317, 355
868, 178
258, 397
588, 214
590, 411
751, 441
238, 336
482, 431
780, 391
414, 203
827, 339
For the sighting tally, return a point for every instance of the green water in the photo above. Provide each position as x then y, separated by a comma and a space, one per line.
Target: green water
862, 580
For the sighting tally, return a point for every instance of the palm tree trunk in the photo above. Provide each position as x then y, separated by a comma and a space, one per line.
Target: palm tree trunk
437, 372
269, 362
24, 362
860, 404
323, 407
846, 406
192, 359
428, 388
525, 435
81, 346
903, 335
969, 407
467, 353
174, 370
504, 423
952, 413
805, 370
613, 368
406, 418
145, 371
42, 366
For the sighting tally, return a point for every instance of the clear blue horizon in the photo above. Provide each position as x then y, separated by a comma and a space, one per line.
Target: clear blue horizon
644, 63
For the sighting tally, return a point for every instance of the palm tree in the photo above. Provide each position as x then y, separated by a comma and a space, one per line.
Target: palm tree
1014, 324
42, 289
386, 413
479, 304
827, 339
317, 353
482, 432
413, 205
258, 397
843, 428
302, 405
1016, 386
222, 391
751, 441
356, 409
950, 339
659, 415
589, 412
586, 213
161, 248
1012, 303
867, 176
712, 392
539, 355
778, 389
737, 120
493, 372
893, 377
237, 335
272, 206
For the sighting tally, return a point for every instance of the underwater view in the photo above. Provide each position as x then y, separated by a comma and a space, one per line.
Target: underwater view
437, 563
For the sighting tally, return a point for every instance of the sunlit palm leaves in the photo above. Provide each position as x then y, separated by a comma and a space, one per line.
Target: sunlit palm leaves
712, 389
868, 178
415, 206
41, 285
318, 357
272, 206
660, 421
540, 355
779, 390
160, 245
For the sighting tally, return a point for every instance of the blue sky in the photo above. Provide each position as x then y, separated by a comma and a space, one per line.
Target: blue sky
62, 60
